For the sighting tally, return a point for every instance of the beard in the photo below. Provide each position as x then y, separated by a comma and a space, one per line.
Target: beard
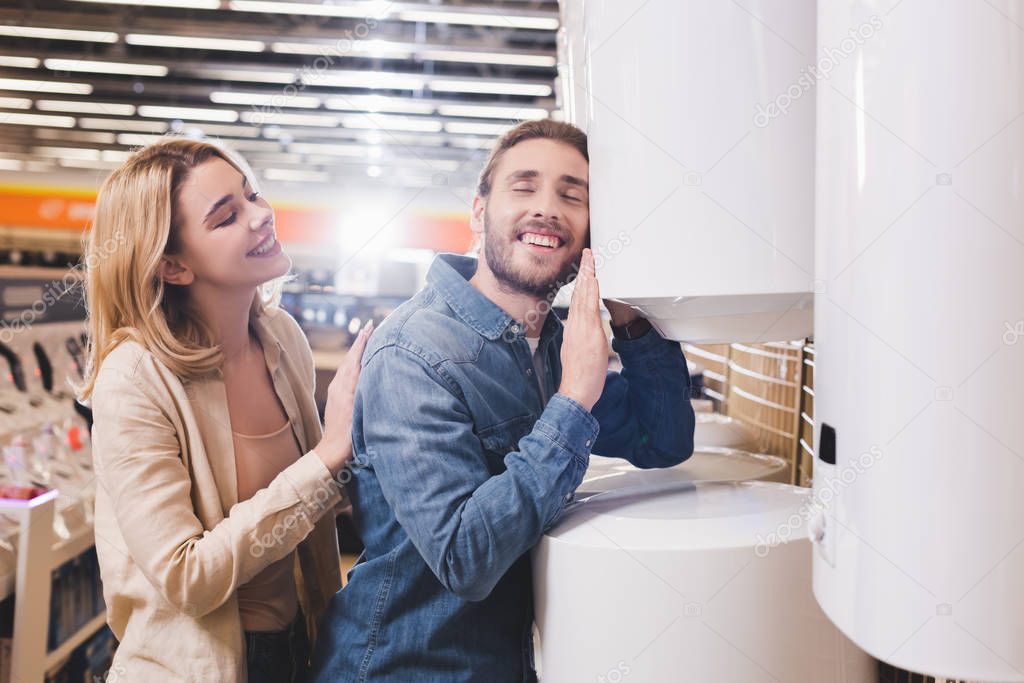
541, 279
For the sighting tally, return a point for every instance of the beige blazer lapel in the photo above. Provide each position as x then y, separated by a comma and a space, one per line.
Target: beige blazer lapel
210, 405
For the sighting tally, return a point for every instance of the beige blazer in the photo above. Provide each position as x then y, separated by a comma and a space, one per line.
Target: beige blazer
174, 543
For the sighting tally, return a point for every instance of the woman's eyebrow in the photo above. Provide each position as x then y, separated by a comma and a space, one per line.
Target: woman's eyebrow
223, 200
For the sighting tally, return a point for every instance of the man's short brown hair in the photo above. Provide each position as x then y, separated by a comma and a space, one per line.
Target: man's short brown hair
543, 129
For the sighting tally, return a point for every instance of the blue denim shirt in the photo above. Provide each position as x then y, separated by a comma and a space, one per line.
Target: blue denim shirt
458, 469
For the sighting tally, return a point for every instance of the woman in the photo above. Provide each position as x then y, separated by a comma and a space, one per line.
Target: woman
217, 487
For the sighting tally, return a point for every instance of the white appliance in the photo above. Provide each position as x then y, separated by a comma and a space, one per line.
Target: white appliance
918, 399
700, 217
686, 582
572, 85
722, 431
706, 464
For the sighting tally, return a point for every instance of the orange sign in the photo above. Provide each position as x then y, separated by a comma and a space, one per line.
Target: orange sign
66, 209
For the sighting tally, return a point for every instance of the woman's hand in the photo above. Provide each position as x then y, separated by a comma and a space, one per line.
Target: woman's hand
584, 345
335, 448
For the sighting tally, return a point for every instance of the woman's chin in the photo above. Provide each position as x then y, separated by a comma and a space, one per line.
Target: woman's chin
274, 267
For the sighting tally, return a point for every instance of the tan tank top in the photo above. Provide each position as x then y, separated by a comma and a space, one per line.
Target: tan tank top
269, 601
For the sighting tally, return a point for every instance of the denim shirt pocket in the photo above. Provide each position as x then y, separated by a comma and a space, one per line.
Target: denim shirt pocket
501, 439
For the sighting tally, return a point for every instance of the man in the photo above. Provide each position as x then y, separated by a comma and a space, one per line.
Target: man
473, 423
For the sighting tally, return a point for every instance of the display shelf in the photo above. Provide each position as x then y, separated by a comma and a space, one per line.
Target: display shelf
37, 555
69, 548
57, 657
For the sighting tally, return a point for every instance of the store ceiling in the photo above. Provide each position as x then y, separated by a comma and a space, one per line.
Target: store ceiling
406, 93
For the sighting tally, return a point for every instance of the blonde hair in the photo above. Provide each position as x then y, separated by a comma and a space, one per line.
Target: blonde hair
134, 226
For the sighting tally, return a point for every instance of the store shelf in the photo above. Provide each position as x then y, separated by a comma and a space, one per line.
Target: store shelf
37, 554
70, 548
55, 658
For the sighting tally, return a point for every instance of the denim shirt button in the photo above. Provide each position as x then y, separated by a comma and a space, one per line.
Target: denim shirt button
588, 443
515, 328
529, 371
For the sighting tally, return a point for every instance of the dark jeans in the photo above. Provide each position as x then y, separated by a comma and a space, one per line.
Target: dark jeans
278, 656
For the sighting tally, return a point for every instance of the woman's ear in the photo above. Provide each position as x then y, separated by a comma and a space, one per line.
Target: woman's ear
174, 271
476, 219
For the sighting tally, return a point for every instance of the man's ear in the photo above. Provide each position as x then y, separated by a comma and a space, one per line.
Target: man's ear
173, 270
476, 222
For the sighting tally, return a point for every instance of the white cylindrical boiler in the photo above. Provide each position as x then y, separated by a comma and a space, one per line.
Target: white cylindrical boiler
918, 327
572, 87
701, 203
706, 464
705, 582
714, 430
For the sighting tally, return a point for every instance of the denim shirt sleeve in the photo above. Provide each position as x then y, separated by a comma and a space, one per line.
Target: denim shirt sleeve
468, 525
644, 411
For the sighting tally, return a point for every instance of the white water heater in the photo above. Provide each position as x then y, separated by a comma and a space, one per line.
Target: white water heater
572, 86
707, 464
671, 582
920, 333
702, 205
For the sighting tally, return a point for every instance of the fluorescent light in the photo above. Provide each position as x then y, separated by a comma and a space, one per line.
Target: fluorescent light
75, 136
254, 145
253, 76
265, 99
376, 103
98, 164
380, 9
105, 67
67, 152
125, 125
510, 58
496, 19
296, 175
282, 119
137, 140
492, 112
443, 164
384, 122
228, 131
494, 87
37, 120
10, 164
47, 33
196, 43
382, 49
192, 113
472, 128
177, 4
363, 10
19, 62
15, 102
86, 107
117, 155
62, 87
373, 171
334, 150
385, 80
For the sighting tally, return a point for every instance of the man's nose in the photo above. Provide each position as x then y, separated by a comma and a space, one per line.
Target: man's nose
546, 205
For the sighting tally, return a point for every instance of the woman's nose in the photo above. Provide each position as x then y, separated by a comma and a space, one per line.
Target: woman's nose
260, 217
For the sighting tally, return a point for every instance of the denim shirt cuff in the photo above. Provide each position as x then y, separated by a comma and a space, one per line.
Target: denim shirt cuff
651, 345
569, 425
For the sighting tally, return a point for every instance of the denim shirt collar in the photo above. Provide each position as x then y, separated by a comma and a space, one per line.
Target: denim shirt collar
449, 274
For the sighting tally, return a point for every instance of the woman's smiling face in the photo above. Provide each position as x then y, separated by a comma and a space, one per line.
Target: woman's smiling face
224, 230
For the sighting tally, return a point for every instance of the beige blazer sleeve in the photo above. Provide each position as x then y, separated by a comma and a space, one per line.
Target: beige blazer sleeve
139, 464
